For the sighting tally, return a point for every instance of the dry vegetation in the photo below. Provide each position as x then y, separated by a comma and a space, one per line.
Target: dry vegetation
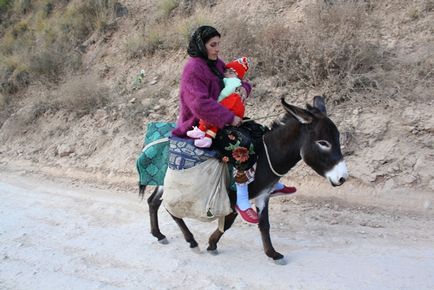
39, 39
336, 48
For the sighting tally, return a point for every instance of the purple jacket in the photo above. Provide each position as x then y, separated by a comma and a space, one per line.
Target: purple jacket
199, 90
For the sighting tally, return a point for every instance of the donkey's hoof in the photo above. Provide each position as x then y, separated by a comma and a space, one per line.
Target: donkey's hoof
196, 250
213, 252
163, 241
280, 262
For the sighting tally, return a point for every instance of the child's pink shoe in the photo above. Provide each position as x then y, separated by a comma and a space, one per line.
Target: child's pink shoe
248, 215
204, 142
196, 133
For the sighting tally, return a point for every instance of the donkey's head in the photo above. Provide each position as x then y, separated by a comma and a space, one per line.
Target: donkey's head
320, 147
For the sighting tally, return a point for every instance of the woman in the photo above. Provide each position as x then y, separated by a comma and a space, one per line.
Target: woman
201, 84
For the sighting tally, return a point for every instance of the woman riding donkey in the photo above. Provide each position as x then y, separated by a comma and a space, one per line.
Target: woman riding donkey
200, 87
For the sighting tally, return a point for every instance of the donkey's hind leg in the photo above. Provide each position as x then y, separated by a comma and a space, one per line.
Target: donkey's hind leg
154, 202
215, 237
186, 232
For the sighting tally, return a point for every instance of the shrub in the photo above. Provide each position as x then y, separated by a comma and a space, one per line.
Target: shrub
44, 45
82, 95
14, 75
3, 102
134, 45
22, 6
167, 6
47, 63
5, 5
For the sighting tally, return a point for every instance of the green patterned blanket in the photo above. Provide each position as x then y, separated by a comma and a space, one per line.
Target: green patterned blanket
153, 160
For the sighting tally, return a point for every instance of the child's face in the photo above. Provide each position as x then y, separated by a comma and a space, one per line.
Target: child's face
230, 73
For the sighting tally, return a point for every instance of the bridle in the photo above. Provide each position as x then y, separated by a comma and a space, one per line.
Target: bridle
268, 159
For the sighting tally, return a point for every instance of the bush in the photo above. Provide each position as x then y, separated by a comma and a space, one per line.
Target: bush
5, 5
22, 6
44, 47
14, 75
139, 45
3, 102
82, 95
167, 6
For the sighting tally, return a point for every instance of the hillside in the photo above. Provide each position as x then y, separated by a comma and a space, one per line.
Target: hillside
73, 103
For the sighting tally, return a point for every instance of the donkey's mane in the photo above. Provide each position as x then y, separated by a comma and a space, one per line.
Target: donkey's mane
280, 122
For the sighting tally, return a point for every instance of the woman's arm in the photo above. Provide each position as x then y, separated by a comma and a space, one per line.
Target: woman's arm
196, 97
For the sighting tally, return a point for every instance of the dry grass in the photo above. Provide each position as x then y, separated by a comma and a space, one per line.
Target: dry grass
163, 37
44, 40
166, 7
80, 95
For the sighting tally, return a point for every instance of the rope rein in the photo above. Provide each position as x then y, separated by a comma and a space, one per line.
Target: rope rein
268, 158
265, 145
265, 117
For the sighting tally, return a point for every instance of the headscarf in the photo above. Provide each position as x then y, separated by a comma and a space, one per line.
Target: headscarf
197, 48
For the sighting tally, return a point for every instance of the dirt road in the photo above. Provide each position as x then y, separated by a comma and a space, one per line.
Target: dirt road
54, 235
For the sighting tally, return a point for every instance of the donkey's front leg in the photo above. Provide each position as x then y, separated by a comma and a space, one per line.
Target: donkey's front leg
186, 232
264, 227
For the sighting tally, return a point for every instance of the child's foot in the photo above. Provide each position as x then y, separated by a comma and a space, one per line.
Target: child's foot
204, 142
283, 191
196, 133
248, 215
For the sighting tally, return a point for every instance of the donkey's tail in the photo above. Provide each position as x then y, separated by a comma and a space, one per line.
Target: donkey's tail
142, 189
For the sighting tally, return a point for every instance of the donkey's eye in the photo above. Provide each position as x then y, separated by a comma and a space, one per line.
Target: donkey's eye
324, 145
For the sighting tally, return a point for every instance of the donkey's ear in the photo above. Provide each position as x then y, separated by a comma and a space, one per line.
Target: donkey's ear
303, 116
319, 103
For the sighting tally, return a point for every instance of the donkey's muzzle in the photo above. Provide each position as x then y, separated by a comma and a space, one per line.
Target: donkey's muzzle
338, 174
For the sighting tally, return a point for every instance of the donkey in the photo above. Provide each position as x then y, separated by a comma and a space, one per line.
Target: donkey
302, 134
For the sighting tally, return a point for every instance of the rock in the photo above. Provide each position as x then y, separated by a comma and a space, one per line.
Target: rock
389, 185
431, 184
120, 10
64, 150
133, 100
146, 103
423, 167
153, 82
427, 204
100, 114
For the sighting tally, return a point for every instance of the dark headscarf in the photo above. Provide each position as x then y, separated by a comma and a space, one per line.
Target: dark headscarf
196, 48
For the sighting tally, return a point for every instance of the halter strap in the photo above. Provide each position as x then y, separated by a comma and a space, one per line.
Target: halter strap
268, 158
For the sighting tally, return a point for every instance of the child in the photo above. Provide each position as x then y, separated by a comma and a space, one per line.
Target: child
229, 98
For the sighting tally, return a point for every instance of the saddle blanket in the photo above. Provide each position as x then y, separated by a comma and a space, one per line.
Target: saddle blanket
152, 162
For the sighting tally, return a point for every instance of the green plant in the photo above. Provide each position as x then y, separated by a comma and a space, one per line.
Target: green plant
22, 6
167, 6
5, 5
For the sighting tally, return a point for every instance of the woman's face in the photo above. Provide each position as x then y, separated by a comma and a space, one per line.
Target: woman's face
213, 47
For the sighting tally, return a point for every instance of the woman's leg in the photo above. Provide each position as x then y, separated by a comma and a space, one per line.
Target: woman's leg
282, 189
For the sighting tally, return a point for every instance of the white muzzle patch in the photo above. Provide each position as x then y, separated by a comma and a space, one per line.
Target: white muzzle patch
338, 174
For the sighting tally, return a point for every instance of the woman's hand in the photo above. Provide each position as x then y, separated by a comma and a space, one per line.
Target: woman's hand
237, 121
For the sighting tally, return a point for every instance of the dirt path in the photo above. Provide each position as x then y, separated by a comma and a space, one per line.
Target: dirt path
57, 236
